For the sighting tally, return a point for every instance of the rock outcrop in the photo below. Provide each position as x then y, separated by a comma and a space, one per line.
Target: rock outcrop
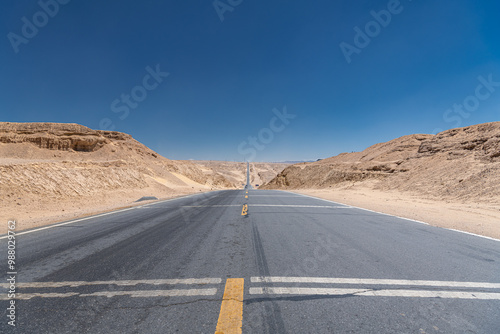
462, 163
65, 160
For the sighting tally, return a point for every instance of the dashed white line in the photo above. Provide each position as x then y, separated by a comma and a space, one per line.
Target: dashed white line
302, 206
270, 205
109, 294
209, 206
120, 283
26, 296
369, 281
275, 195
374, 293
154, 293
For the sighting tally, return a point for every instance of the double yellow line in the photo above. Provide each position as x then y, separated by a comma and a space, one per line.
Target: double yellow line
244, 210
231, 310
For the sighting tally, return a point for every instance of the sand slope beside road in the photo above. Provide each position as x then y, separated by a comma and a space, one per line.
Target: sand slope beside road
478, 218
451, 179
51, 172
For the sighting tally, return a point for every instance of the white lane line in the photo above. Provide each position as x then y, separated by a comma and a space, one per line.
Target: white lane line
303, 206
109, 294
274, 195
26, 296
70, 222
203, 194
374, 293
409, 219
120, 283
369, 281
107, 213
356, 207
269, 205
154, 293
209, 206
470, 233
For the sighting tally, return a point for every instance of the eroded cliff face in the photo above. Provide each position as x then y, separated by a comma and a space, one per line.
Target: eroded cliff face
57, 136
51, 172
481, 141
68, 160
461, 163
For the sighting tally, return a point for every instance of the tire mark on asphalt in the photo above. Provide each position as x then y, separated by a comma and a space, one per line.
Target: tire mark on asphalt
272, 311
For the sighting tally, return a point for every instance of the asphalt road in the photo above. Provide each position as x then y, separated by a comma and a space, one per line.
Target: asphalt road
284, 263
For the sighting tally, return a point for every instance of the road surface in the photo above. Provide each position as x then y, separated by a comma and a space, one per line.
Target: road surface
269, 261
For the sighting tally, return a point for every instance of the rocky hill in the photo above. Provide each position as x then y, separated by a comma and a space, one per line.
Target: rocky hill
457, 164
48, 168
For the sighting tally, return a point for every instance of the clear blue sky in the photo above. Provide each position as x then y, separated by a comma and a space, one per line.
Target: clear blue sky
226, 76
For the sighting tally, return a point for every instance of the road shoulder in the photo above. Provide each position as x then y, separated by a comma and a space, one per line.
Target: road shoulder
477, 218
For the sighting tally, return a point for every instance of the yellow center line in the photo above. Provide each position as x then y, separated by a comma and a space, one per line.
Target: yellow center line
246, 196
244, 210
231, 310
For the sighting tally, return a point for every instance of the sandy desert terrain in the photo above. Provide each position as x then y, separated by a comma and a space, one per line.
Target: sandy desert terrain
450, 179
52, 172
